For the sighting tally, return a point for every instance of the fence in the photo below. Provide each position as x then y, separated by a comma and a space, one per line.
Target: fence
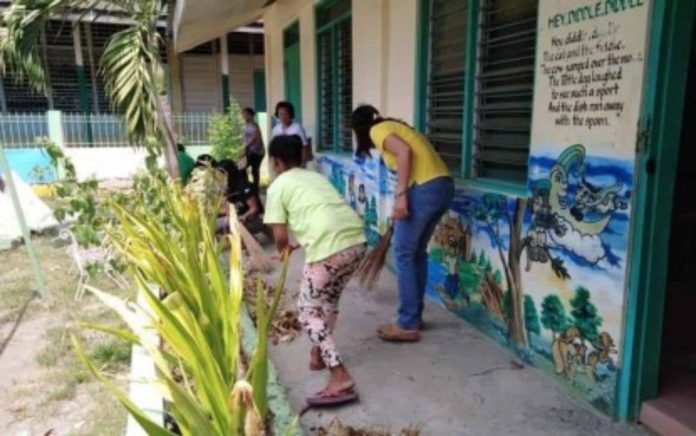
97, 143
21, 130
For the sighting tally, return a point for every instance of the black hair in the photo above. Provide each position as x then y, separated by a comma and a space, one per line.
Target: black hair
180, 147
287, 106
364, 118
233, 173
205, 160
249, 110
287, 149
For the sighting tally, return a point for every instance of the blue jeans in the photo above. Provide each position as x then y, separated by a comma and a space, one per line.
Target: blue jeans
427, 203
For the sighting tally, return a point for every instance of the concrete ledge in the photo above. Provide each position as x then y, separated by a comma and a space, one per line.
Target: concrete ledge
278, 403
142, 391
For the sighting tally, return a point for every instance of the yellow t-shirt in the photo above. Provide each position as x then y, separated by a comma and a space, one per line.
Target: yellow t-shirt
426, 164
317, 215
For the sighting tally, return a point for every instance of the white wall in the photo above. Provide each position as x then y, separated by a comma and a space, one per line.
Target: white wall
279, 16
107, 163
242, 77
201, 83
384, 55
202, 80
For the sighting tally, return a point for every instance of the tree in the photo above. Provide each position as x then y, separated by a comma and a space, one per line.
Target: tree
531, 318
131, 65
493, 212
585, 315
553, 316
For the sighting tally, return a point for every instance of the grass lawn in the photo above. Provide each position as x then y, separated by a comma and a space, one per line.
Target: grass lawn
44, 387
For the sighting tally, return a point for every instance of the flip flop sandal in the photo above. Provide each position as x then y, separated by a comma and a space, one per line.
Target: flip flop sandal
329, 400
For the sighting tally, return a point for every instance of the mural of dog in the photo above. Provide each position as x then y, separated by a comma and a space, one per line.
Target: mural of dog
601, 354
565, 352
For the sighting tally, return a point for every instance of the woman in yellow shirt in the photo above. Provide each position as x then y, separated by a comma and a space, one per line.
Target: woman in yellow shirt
424, 193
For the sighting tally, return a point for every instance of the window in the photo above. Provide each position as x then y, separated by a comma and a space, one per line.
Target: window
504, 88
476, 84
335, 75
444, 99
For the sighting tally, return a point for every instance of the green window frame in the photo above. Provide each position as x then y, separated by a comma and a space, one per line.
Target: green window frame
334, 75
497, 83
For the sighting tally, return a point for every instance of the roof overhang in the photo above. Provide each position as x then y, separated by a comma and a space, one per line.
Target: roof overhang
199, 21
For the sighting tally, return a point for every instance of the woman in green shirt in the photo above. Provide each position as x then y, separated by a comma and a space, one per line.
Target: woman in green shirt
333, 238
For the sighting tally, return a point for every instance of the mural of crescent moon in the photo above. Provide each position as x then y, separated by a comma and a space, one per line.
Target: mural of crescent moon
573, 156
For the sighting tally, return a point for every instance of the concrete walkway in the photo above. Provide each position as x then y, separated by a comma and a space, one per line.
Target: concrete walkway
454, 382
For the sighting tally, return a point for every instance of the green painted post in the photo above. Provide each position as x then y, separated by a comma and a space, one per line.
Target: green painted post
38, 274
55, 134
225, 70
82, 82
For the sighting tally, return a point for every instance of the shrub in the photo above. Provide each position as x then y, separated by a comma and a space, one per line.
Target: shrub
225, 133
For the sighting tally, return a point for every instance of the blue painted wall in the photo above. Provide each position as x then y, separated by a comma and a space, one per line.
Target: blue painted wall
32, 164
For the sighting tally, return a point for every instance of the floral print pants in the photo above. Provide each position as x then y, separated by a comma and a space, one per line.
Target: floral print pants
320, 293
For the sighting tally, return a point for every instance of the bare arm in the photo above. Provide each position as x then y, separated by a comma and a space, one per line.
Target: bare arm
253, 206
404, 159
280, 236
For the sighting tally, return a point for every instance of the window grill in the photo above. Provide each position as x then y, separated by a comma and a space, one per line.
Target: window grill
505, 85
335, 76
446, 75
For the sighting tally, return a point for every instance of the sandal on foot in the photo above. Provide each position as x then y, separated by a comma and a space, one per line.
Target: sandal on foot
394, 333
325, 399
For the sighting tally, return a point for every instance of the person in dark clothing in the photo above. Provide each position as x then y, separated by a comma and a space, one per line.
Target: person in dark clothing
242, 195
253, 145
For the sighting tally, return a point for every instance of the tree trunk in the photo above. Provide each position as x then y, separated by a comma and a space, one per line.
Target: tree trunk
516, 323
170, 145
170, 141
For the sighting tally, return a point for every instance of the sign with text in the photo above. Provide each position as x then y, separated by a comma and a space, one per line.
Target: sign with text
589, 76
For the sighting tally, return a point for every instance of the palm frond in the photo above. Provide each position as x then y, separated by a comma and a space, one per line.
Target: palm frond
131, 68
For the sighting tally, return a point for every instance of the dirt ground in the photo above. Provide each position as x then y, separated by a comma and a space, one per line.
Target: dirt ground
44, 389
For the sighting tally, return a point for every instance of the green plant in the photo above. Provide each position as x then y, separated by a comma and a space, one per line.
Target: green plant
194, 305
225, 133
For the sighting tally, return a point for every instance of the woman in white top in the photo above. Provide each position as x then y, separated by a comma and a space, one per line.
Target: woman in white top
285, 113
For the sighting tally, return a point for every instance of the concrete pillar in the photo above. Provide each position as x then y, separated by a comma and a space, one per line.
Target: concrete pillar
44, 59
80, 68
225, 73
3, 100
93, 65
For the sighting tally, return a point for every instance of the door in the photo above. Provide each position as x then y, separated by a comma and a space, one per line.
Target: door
293, 78
260, 91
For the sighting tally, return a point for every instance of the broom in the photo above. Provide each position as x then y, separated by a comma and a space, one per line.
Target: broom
257, 257
374, 262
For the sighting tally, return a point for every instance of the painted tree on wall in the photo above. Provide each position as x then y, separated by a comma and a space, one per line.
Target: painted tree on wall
531, 318
585, 315
553, 315
493, 212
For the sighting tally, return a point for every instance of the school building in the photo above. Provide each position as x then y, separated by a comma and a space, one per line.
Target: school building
566, 124
567, 127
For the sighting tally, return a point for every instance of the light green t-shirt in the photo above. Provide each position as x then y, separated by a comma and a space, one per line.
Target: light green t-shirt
315, 213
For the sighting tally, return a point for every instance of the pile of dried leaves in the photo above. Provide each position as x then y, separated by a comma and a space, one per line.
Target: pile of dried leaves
337, 428
285, 326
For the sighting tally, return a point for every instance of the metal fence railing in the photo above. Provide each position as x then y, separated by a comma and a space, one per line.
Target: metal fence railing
192, 128
22, 130
92, 130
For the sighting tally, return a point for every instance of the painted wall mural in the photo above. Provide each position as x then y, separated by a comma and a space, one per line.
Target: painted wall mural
545, 274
